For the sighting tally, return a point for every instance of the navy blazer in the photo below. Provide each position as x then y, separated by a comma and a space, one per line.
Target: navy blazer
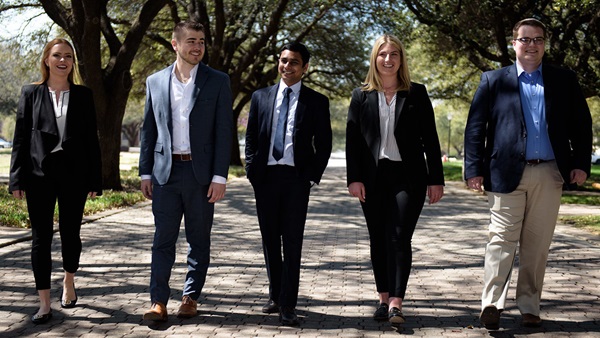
36, 135
311, 136
496, 134
210, 122
415, 133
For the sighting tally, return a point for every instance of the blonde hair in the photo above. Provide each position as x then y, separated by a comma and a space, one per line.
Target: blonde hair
44, 69
373, 80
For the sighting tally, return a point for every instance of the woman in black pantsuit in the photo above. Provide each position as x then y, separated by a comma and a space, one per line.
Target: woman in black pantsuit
55, 157
393, 160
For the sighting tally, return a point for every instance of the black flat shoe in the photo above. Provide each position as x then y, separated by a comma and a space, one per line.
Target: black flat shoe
68, 303
41, 319
382, 312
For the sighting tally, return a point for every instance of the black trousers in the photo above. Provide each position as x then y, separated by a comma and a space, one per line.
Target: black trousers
392, 208
281, 206
41, 195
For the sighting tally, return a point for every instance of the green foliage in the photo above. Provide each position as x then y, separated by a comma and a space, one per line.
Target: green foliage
453, 171
589, 222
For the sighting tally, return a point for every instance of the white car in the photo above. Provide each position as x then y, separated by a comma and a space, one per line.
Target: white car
5, 144
596, 158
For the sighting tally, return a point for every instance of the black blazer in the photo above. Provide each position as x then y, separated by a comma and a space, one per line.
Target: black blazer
415, 135
496, 134
311, 135
36, 135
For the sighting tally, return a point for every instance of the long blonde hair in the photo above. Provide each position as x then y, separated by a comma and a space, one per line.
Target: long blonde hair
44, 69
373, 80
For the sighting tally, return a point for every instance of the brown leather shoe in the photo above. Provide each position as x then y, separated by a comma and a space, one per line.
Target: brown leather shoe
530, 320
490, 317
188, 308
157, 312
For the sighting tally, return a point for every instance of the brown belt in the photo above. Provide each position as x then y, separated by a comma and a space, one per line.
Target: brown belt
182, 157
535, 162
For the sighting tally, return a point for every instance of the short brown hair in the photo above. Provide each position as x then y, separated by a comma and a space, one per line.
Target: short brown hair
528, 22
193, 25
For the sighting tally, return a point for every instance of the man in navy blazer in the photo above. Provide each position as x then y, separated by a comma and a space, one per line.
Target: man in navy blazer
528, 133
282, 177
184, 160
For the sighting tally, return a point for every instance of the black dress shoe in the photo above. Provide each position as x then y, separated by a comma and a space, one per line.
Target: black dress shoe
68, 303
270, 307
41, 319
382, 312
396, 317
287, 316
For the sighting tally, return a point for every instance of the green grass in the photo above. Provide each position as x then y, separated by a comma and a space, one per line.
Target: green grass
590, 223
13, 212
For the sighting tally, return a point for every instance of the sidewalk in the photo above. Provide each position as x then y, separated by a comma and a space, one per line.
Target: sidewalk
337, 291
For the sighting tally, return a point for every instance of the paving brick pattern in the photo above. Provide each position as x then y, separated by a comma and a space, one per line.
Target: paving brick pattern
337, 291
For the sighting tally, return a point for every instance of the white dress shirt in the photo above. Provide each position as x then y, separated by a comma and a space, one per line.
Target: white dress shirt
288, 149
388, 148
60, 105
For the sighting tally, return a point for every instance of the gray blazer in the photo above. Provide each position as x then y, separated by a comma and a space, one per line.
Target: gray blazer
211, 126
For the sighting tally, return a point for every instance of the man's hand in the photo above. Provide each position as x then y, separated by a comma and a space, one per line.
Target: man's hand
476, 183
578, 176
216, 191
146, 188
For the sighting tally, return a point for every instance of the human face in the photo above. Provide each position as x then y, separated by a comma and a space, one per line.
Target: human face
388, 60
190, 47
60, 61
290, 67
529, 56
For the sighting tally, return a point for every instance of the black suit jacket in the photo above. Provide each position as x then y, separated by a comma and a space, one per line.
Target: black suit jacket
496, 134
415, 134
36, 135
311, 135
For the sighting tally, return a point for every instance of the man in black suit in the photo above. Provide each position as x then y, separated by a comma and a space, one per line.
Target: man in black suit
288, 144
528, 133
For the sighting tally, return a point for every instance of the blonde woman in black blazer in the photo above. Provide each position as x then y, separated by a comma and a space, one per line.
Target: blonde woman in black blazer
55, 157
393, 160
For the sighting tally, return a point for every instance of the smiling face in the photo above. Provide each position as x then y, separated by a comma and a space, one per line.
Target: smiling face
60, 61
189, 47
290, 67
529, 55
388, 60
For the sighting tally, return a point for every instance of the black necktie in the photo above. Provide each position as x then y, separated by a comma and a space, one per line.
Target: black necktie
279, 140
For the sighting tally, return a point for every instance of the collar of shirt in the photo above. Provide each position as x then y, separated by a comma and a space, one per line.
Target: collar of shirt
295, 88
520, 69
192, 73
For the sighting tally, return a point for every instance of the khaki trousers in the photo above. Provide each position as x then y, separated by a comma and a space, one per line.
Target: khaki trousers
525, 217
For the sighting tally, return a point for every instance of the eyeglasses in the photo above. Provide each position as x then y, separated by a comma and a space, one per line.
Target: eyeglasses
536, 41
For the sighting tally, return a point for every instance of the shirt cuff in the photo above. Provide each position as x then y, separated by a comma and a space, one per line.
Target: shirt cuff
146, 177
219, 179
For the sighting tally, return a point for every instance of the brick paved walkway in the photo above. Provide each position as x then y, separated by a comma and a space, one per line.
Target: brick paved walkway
337, 292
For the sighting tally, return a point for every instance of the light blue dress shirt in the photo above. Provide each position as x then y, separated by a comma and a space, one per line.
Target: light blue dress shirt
534, 110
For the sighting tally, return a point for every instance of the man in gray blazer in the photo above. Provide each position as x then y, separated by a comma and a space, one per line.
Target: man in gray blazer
184, 159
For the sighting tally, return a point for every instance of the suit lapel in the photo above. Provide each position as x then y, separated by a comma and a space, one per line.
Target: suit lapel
373, 117
511, 84
46, 121
199, 82
549, 84
270, 108
400, 98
